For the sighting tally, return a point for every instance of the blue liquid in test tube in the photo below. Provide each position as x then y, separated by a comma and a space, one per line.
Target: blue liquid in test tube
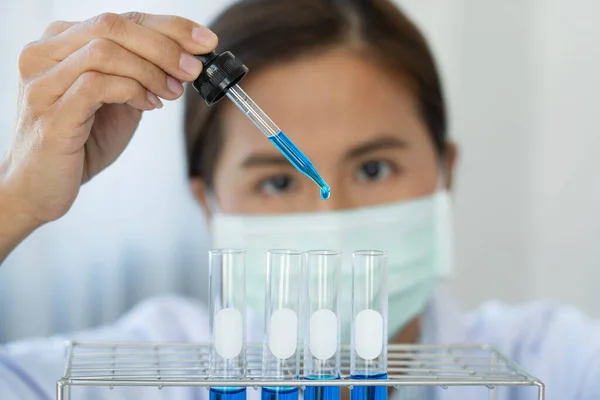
280, 393
368, 356
369, 392
227, 298
281, 355
234, 393
322, 337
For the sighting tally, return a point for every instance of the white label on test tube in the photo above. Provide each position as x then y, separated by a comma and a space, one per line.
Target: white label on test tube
323, 334
228, 339
368, 326
283, 337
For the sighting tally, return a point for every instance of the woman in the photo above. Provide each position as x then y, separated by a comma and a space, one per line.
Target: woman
355, 87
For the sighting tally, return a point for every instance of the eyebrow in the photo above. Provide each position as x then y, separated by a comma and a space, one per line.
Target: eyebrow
264, 160
377, 144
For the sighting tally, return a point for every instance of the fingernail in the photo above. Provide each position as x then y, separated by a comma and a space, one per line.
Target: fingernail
190, 64
152, 98
204, 36
174, 85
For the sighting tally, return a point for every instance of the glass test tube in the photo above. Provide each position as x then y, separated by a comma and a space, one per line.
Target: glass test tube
281, 355
322, 337
368, 356
227, 298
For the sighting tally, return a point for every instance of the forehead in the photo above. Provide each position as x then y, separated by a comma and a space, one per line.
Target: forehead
324, 102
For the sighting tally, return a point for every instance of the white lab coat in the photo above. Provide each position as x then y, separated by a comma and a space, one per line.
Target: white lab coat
558, 345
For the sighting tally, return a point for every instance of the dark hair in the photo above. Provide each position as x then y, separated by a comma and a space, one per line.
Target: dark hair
264, 32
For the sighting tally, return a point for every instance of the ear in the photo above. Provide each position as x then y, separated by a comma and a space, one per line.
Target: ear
200, 193
450, 161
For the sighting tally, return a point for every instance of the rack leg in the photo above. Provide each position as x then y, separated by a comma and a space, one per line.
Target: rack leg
493, 369
541, 389
62, 390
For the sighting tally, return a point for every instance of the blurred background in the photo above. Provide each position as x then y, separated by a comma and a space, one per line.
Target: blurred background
522, 82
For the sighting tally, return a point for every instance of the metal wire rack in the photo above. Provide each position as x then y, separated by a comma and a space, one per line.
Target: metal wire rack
186, 365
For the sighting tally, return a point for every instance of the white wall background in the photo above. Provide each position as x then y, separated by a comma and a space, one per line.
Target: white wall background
522, 82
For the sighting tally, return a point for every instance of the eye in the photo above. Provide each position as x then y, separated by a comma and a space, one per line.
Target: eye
277, 184
374, 170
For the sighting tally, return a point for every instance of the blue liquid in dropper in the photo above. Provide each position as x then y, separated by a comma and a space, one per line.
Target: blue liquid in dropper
322, 392
369, 392
300, 161
279, 393
228, 393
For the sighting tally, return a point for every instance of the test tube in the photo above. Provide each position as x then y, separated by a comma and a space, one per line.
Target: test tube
368, 356
322, 336
281, 356
227, 298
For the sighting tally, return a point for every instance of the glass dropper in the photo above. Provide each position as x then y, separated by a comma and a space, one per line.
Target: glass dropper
220, 77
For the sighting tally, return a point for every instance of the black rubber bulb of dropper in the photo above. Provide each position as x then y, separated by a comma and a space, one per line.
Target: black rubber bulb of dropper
221, 71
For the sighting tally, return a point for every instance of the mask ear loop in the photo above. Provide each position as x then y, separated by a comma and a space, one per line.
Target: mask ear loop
444, 221
212, 203
442, 176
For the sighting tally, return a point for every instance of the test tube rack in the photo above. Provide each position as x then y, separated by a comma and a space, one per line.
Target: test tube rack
186, 365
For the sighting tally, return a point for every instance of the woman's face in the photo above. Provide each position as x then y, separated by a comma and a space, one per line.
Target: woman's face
360, 127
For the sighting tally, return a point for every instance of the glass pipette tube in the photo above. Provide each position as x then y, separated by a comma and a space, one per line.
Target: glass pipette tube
281, 355
368, 355
322, 338
277, 137
227, 298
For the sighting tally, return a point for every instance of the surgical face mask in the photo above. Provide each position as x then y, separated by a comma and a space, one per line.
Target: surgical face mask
414, 234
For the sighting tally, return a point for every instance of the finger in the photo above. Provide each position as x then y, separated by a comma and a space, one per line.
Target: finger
107, 57
33, 60
192, 37
56, 28
93, 89
147, 43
